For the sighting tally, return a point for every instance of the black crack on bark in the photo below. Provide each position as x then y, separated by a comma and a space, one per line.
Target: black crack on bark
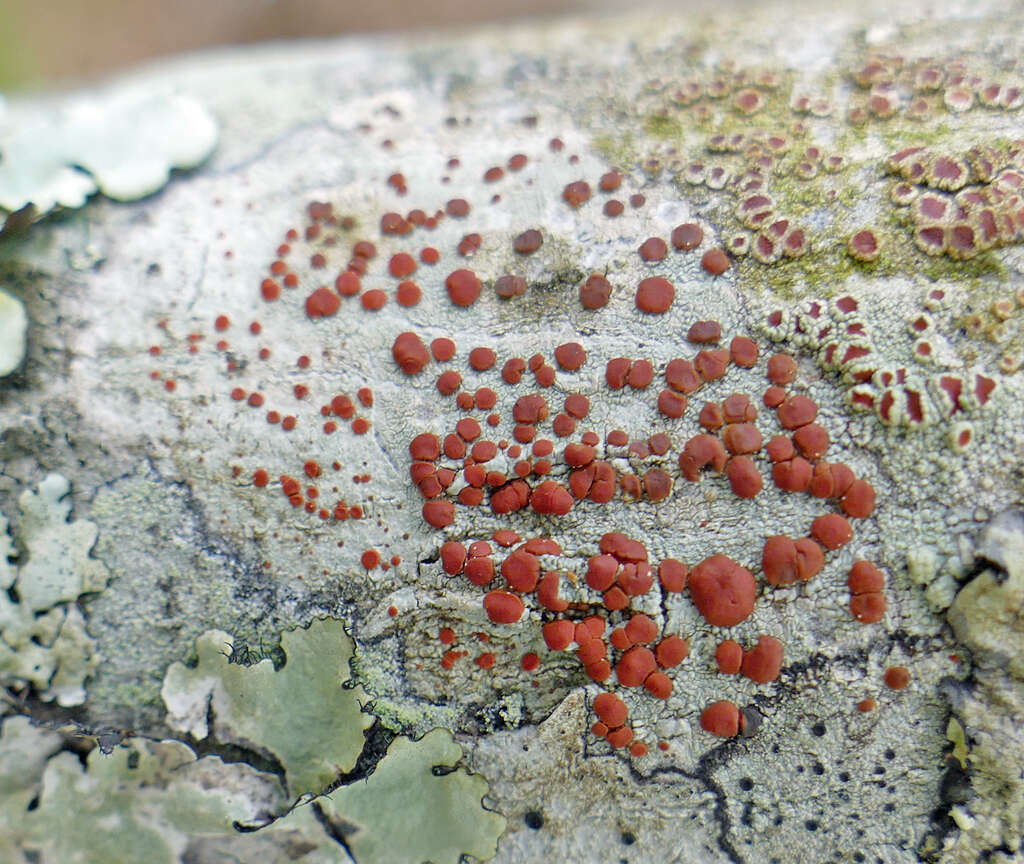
334, 831
376, 741
706, 767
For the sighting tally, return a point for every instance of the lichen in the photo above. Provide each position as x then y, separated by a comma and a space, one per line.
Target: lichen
418, 805
43, 639
145, 801
13, 327
303, 715
304, 441
987, 618
123, 142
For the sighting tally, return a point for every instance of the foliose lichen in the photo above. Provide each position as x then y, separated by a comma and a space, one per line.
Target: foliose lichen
43, 638
418, 805
305, 715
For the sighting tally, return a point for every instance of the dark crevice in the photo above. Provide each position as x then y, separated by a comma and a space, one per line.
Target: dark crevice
333, 831
234, 753
377, 739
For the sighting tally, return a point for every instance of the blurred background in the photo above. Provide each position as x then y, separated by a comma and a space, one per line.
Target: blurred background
44, 43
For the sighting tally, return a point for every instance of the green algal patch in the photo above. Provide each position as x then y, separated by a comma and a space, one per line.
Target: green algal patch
663, 126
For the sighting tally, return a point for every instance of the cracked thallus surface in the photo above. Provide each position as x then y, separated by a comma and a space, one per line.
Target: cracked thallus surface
638, 400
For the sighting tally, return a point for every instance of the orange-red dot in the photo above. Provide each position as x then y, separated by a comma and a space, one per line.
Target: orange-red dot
530, 662
832, 531
463, 287
576, 194
671, 651
653, 249
503, 607
715, 261
721, 719
729, 657
443, 349
781, 369
722, 590
439, 514
408, 293
348, 283
611, 710
401, 264
620, 737
655, 295
482, 358
448, 382
410, 353
373, 299
638, 749
763, 662
896, 677
743, 352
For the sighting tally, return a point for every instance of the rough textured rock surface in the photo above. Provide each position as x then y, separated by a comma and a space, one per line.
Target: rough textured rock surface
478, 348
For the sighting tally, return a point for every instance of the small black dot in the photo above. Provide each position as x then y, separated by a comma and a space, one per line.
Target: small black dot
628, 837
818, 768
844, 777
890, 754
746, 784
811, 824
818, 730
534, 819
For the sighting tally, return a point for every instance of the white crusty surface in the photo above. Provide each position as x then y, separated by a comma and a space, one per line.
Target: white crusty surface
126, 392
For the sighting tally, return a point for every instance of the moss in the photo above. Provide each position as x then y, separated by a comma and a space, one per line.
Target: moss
618, 150
984, 267
663, 126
